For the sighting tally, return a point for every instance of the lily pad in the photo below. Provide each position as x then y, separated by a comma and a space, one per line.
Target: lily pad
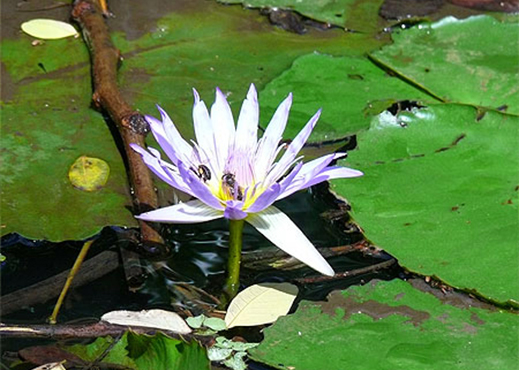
136, 351
198, 59
449, 60
440, 193
45, 128
348, 89
390, 326
48, 123
352, 14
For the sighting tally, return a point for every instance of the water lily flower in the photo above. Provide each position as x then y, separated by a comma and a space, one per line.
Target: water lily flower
232, 174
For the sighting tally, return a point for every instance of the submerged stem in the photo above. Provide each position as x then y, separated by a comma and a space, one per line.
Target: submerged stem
232, 283
73, 272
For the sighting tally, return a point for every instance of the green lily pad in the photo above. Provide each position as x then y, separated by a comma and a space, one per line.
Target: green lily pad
45, 128
139, 351
390, 326
348, 89
471, 61
352, 14
48, 121
440, 193
198, 59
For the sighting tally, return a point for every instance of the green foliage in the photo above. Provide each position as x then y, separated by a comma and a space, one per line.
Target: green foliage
472, 61
158, 352
48, 121
361, 16
350, 90
390, 326
440, 194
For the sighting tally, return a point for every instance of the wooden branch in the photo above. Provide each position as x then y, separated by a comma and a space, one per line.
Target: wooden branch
131, 124
345, 274
94, 268
259, 259
98, 329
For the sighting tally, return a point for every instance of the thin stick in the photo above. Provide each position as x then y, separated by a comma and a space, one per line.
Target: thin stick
341, 275
131, 124
95, 330
77, 265
232, 283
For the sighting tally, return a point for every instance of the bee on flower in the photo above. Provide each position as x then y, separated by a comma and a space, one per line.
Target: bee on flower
230, 173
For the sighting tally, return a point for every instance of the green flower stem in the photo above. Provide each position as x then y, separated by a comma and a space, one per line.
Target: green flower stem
233, 265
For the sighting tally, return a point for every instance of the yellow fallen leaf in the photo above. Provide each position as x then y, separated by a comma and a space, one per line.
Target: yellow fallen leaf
48, 29
260, 304
89, 174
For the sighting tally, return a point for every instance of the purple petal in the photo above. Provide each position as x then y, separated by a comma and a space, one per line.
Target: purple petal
182, 148
193, 211
295, 146
223, 126
331, 173
266, 199
157, 128
233, 210
247, 127
273, 193
267, 150
308, 172
280, 230
160, 169
198, 188
203, 126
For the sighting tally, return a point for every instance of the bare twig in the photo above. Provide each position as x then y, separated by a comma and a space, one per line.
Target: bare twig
131, 125
98, 329
341, 275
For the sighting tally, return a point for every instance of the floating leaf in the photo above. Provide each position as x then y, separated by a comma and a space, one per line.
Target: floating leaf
236, 362
390, 325
89, 174
159, 319
48, 29
344, 87
440, 193
260, 304
447, 59
136, 351
214, 323
218, 354
48, 122
196, 321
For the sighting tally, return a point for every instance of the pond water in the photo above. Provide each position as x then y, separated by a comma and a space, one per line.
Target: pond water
197, 256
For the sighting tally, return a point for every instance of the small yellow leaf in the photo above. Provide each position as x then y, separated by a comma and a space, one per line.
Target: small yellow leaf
89, 174
260, 304
48, 29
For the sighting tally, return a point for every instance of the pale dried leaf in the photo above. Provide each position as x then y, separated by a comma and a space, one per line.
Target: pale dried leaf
260, 304
48, 29
51, 366
158, 319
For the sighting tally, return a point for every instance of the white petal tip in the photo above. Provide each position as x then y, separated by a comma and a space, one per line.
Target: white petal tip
328, 271
252, 94
196, 95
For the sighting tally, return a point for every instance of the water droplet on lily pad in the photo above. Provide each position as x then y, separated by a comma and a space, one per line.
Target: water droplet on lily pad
88, 173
